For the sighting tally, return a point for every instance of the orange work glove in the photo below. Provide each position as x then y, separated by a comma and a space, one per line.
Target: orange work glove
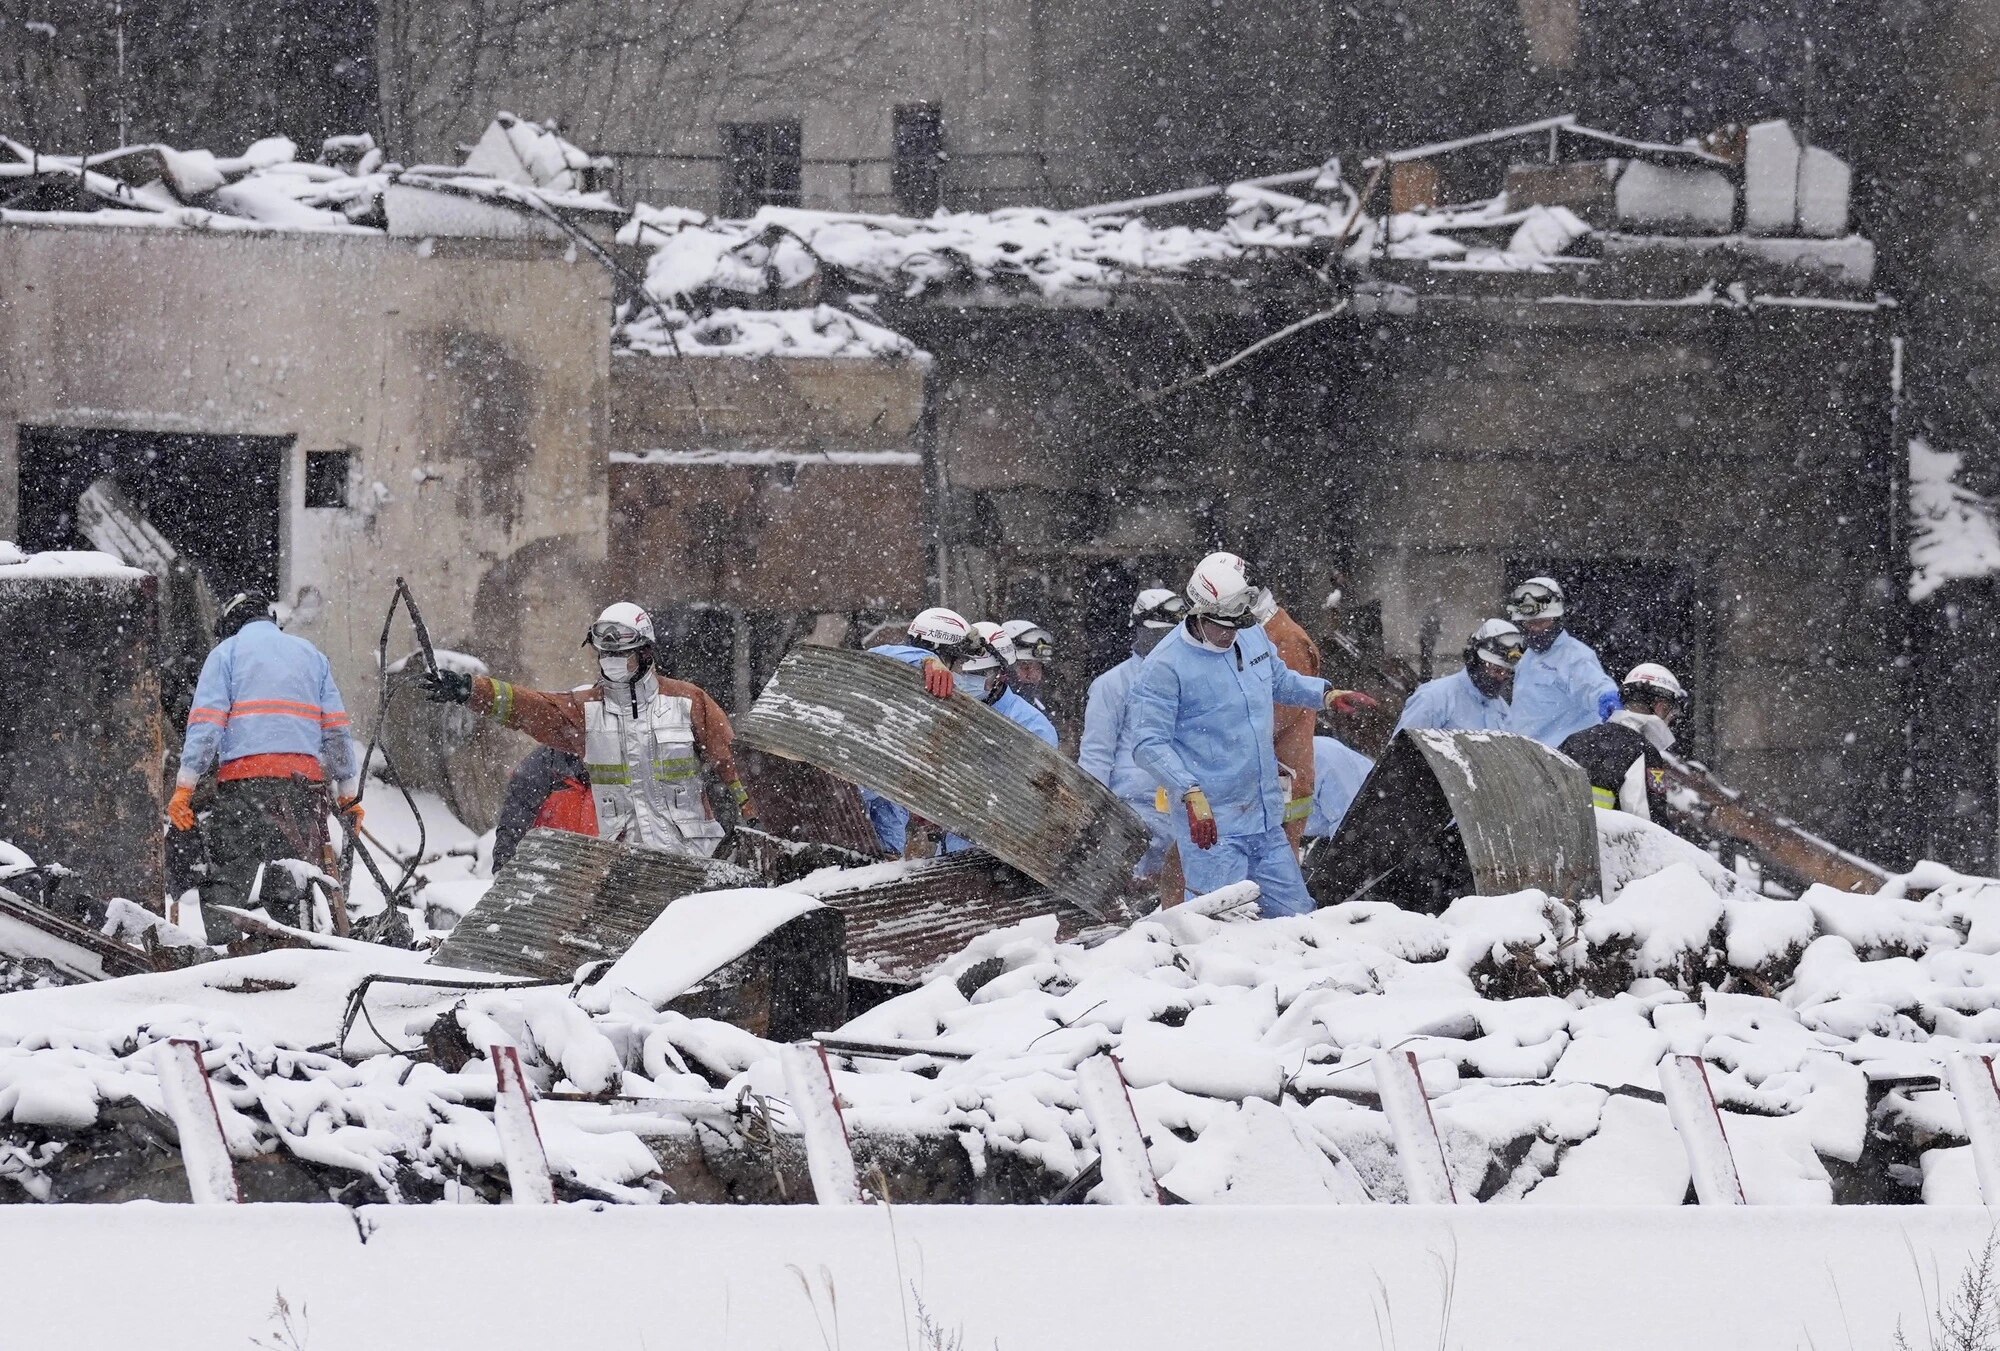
1350, 701
937, 679
350, 811
745, 809
1201, 820
180, 807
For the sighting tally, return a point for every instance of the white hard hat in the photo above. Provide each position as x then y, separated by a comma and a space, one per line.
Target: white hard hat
944, 632
1536, 598
1650, 680
1219, 589
1158, 608
995, 652
1031, 641
623, 627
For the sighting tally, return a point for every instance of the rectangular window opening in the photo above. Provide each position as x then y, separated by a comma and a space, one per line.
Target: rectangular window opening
917, 171
763, 165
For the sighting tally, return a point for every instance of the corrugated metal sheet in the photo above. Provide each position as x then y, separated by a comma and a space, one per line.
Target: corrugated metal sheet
868, 720
903, 919
564, 900
1448, 814
798, 801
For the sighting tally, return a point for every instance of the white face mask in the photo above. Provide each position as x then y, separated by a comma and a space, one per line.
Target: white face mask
617, 669
973, 685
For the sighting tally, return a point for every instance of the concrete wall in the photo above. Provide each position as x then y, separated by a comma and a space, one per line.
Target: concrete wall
791, 484
1749, 449
468, 379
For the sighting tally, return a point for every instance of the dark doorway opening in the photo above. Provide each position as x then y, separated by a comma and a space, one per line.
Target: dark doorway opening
217, 499
1642, 609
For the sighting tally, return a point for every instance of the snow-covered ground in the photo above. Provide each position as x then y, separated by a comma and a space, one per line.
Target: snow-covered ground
1538, 1031
1021, 1279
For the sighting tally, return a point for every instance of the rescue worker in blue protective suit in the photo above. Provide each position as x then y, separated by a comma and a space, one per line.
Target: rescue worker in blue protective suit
1473, 699
1560, 687
1338, 773
1108, 732
939, 641
1202, 712
984, 677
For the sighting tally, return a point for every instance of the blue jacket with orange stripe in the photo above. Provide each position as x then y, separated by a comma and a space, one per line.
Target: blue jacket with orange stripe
264, 692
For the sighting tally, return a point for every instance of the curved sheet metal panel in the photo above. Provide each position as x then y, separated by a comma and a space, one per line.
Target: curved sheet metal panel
958, 763
1447, 814
564, 900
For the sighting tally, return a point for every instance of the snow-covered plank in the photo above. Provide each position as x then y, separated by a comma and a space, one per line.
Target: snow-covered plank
520, 1138
1698, 1122
1419, 1148
829, 1156
1973, 1085
1121, 1147
190, 1102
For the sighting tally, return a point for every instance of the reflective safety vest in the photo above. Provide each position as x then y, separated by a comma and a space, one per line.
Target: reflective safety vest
645, 779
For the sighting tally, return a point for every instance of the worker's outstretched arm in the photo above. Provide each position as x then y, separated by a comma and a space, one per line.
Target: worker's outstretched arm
552, 719
1293, 690
210, 714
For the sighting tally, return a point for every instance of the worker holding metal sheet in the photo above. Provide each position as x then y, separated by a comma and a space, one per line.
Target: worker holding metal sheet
1204, 709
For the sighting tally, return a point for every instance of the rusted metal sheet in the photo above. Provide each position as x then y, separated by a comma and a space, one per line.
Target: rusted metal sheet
798, 801
906, 918
955, 762
1450, 814
565, 900
1702, 802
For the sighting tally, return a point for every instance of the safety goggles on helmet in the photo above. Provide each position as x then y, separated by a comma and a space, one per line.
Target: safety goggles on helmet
1163, 613
613, 637
1233, 612
1033, 643
1503, 650
1534, 600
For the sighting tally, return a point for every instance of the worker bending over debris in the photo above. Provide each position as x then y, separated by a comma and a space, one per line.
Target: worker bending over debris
1559, 687
268, 718
1625, 755
645, 741
1034, 647
940, 642
1203, 710
1473, 699
1109, 732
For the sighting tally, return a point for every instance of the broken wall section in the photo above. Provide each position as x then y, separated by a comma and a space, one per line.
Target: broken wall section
436, 410
758, 502
80, 726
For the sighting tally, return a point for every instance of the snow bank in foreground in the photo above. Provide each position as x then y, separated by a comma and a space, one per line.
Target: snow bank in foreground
1022, 1278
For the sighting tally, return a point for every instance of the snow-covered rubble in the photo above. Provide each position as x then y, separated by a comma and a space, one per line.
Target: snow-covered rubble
1250, 1047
